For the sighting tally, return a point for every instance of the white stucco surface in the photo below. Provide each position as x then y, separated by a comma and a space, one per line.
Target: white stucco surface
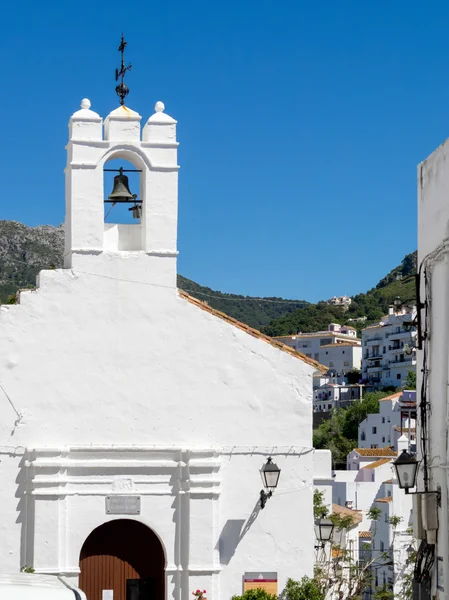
111, 382
433, 231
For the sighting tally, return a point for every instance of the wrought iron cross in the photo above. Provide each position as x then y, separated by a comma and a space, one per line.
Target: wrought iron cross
122, 89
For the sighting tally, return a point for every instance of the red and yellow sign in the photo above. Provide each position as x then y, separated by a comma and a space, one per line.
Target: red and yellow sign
268, 585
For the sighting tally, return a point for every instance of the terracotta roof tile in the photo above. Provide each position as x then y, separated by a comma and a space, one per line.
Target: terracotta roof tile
392, 397
388, 499
377, 452
344, 512
251, 331
388, 481
365, 534
377, 463
323, 334
337, 552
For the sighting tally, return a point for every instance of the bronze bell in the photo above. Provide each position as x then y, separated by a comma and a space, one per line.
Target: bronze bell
121, 191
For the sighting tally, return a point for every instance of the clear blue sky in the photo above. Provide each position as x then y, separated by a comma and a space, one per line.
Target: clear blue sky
301, 125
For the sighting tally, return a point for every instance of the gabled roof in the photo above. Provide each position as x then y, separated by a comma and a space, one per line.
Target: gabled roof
376, 452
377, 463
253, 332
386, 500
392, 397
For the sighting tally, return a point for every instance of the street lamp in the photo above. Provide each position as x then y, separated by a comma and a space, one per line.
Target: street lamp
324, 529
406, 467
270, 476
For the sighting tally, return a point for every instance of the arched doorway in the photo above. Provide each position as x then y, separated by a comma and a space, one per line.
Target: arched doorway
124, 557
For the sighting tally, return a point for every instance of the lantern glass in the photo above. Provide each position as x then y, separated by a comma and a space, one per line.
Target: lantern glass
270, 473
406, 467
324, 529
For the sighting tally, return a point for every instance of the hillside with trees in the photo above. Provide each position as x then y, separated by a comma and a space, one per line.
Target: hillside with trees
400, 282
24, 251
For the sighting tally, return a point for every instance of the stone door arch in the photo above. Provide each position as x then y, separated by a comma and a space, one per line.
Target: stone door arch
125, 557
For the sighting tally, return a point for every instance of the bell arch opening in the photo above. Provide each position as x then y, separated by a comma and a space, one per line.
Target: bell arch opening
125, 557
123, 193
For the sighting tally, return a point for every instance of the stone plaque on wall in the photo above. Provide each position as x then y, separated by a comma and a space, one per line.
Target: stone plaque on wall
123, 505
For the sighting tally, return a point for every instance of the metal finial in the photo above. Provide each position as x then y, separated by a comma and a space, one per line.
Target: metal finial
122, 89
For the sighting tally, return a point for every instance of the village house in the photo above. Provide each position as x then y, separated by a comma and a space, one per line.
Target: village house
389, 352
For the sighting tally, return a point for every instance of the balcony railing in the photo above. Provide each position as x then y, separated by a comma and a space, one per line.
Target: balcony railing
400, 334
405, 361
376, 338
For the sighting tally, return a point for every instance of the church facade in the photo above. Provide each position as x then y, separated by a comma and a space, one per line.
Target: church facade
135, 419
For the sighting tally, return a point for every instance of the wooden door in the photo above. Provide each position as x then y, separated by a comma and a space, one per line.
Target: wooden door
118, 554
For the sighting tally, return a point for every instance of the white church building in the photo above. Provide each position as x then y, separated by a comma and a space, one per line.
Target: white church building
135, 420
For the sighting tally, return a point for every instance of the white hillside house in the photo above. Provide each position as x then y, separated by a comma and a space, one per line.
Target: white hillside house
389, 350
135, 420
317, 345
383, 543
396, 416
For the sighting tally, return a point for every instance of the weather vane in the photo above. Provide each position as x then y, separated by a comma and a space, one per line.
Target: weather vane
122, 89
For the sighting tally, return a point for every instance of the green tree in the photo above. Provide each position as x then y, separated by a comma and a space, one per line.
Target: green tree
410, 381
353, 376
339, 433
305, 589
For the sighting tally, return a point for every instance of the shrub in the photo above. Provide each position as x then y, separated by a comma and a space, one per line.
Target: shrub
255, 594
305, 589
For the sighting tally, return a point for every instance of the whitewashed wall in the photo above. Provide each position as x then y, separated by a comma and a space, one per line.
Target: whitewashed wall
433, 228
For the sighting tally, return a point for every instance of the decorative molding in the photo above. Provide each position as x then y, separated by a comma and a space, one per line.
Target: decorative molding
199, 569
163, 253
160, 144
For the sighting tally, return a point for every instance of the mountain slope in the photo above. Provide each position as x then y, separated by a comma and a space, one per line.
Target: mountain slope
400, 282
24, 251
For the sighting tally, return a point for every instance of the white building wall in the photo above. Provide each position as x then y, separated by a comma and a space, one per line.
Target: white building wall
433, 230
322, 474
113, 381
340, 357
310, 343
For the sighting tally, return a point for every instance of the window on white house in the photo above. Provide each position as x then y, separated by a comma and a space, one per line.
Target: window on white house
386, 517
381, 546
331, 364
373, 445
383, 440
398, 376
329, 406
383, 419
374, 429
342, 351
363, 436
